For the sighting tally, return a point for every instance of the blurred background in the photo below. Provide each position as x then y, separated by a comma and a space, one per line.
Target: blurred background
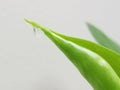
30, 63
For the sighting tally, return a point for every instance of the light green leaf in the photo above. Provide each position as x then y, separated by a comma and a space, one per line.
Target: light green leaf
99, 67
111, 57
103, 39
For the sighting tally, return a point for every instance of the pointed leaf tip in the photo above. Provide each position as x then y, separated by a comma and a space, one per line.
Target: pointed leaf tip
88, 24
36, 25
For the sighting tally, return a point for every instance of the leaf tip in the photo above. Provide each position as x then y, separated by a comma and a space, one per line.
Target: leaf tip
36, 25
27, 20
89, 25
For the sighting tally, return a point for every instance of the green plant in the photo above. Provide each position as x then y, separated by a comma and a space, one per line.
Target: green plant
98, 64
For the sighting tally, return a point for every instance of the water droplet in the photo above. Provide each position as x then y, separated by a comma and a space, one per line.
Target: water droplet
37, 32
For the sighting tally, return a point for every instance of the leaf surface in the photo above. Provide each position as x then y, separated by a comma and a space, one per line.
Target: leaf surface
98, 70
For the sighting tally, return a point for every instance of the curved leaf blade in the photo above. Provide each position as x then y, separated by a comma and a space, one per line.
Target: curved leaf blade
111, 57
91, 65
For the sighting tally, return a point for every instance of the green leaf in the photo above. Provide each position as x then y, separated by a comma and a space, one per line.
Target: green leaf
103, 39
96, 67
111, 57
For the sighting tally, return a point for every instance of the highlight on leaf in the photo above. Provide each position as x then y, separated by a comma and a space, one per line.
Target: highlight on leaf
99, 66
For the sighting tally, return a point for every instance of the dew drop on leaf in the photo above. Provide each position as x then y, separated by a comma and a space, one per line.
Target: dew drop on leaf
37, 32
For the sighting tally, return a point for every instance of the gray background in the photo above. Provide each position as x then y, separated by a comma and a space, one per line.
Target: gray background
29, 63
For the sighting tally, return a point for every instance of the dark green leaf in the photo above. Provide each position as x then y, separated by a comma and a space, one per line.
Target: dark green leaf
103, 39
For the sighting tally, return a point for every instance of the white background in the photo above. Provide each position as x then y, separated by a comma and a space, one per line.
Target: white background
29, 63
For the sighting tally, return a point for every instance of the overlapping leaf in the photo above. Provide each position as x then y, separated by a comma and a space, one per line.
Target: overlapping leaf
103, 39
99, 65
111, 57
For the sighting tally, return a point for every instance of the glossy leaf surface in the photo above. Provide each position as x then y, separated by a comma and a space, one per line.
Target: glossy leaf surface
92, 65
